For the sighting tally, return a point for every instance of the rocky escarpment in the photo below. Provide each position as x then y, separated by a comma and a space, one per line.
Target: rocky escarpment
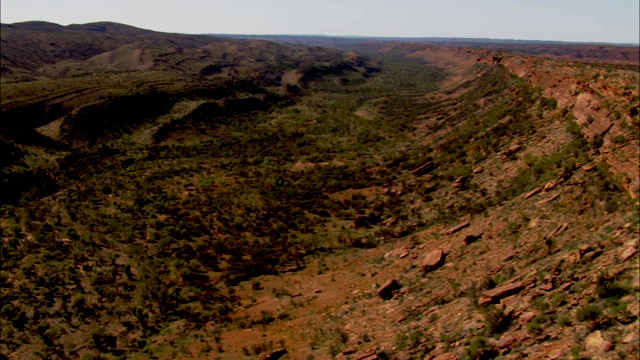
602, 100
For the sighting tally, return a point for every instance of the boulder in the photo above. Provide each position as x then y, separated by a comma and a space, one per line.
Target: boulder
514, 149
273, 355
585, 248
399, 232
566, 286
433, 260
424, 169
457, 228
478, 170
630, 338
396, 253
548, 200
371, 354
390, 221
503, 291
469, 239
590, 256
386, 290
484, 301
460, 182
558, 230
430, 187
550, 185
597, 128
506, 341
628, 253
547, 287
596, 344
533, 192
446, 356
510, 302
291, 269
510, 151
349, 351
555, 353
526, 317
521, 335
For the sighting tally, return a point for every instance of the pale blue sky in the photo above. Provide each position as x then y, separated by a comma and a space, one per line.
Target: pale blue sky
568, 20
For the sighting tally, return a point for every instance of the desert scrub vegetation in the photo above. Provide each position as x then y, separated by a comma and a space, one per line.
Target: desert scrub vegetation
504, 113
159, 221
165, 230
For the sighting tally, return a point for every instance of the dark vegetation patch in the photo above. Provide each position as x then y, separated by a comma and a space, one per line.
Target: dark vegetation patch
114, 116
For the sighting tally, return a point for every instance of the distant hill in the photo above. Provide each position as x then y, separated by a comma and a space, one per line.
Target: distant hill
102, 27
51, 72
418, 39
627, 53
31, 44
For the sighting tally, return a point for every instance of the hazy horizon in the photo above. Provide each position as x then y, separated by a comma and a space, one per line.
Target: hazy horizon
588, 21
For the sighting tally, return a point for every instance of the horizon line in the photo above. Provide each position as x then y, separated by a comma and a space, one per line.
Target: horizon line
348, 36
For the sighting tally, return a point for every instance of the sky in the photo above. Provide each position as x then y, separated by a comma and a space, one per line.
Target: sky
615, 21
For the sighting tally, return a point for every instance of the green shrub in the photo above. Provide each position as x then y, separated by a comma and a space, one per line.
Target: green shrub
536, 325
563, 320
589, 313
415, 337
607, 288
495, 321
539, 302
401, 341
480, 349
558, 299
549, 103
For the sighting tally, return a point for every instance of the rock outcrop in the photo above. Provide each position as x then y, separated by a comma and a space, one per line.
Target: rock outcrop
596, 344
273, 355
432, 260
424, 169
494, 295
457, 228
533, 193
386, 290
630, 249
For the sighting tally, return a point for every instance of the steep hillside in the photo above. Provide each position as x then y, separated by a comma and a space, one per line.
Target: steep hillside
242, 200
602, 99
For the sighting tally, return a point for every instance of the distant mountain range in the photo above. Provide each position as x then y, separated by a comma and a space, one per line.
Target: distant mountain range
626, 53
421, 39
